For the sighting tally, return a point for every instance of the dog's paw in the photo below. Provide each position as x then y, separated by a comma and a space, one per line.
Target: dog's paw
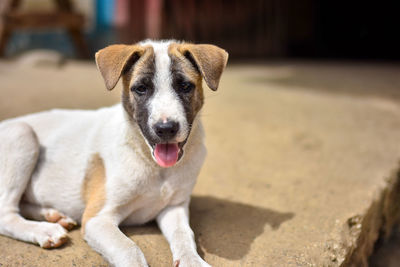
194, 261
55, 216
50, 235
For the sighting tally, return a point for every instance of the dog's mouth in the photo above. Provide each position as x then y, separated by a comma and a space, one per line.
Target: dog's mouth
167, 154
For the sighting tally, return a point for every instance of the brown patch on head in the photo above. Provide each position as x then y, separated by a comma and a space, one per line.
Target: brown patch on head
210, 60
113, 60
93, 191
183, 70
142, 72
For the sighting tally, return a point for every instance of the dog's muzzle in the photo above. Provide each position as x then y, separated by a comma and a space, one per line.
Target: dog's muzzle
167, 152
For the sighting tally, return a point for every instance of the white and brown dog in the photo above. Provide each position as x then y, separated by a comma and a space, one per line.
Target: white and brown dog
121, 165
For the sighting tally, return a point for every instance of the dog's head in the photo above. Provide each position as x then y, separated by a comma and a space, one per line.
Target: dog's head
162, 88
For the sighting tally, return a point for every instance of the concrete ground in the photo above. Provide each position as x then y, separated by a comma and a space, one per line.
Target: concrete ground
301, 169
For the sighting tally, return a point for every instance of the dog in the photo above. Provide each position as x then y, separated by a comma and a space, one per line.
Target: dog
126, 164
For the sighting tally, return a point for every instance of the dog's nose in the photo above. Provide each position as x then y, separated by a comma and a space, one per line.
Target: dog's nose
166, 130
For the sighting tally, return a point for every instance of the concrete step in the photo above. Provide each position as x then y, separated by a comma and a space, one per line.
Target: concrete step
302, 166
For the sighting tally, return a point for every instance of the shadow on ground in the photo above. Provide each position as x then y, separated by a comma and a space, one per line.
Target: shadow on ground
386, 253
226, 228
222, 227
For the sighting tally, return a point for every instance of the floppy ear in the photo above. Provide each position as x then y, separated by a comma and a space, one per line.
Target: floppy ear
210, 60
114, 59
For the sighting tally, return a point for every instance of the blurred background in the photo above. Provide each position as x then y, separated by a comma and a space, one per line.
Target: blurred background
257, 29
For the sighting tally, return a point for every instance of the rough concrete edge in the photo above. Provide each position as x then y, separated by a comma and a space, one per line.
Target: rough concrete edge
361, 232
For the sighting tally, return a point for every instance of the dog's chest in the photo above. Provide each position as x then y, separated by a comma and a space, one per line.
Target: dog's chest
164, 190
172, 187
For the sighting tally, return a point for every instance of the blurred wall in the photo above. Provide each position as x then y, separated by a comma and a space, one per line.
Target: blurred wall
245, 28
257, 29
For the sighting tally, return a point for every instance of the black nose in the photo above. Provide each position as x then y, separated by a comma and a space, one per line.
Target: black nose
166, 130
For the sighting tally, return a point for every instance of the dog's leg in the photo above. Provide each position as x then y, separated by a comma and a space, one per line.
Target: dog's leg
35, 212
103, 235
19, 150
174, 224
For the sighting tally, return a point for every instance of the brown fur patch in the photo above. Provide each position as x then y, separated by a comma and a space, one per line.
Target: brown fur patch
94, 192
181, 64
143, 68
113, 60
209, 59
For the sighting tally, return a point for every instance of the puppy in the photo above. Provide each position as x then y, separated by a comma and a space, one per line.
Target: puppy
121, 165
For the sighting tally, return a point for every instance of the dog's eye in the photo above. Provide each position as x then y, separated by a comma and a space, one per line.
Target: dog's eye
186, 87
140, 89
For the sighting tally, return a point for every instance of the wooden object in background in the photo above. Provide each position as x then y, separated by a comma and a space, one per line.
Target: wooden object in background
64, 17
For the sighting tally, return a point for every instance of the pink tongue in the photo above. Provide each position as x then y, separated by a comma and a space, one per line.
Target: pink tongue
166, 154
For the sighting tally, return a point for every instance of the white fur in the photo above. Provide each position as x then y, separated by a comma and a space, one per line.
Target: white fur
44, 159
164, 104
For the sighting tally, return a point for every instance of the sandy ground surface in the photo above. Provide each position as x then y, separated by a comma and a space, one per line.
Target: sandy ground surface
295, 151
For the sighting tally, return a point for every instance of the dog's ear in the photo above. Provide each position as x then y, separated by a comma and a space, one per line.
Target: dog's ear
210, 60
113, 60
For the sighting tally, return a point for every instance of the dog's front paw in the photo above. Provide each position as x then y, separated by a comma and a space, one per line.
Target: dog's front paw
50, 235
192, 261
